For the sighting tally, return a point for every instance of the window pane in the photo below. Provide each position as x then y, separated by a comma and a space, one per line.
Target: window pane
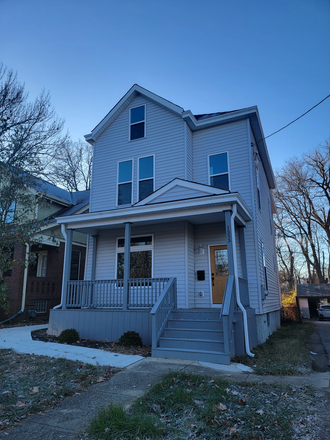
75, 265
141, 241
218, 164
137, 114
125, 171
146, 187
221, 262
140, 263
220, 181
137, 131
136, 241
124, 194
146, 167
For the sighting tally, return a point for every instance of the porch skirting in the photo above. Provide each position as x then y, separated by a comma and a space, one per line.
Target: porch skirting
101, 324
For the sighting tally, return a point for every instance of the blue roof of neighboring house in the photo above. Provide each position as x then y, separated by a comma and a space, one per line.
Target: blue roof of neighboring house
213, 115
313, 290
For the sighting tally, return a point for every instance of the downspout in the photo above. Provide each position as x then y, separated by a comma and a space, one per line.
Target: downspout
238, 298
26, 268
63, 230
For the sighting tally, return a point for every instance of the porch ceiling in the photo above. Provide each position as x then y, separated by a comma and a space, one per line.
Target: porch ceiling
202, 210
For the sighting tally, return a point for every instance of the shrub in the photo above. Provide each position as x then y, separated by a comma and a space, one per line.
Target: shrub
69, 336
130, 339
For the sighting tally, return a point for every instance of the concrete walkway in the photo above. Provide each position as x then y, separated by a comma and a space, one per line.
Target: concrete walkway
20, 340
73, 416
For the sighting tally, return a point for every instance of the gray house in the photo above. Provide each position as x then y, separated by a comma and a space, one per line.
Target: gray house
180, 232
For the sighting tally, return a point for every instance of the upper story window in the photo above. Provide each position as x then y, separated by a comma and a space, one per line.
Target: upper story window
137, 122
146, 176
218, 171
125, 182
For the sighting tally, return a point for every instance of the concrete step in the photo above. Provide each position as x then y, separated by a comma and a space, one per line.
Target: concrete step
191, 344
194, 355
199, 314
195, 324
193, 333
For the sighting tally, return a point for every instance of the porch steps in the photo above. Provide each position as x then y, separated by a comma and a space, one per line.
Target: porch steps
195, 334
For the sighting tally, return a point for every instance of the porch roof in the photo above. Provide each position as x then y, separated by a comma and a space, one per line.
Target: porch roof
207, 209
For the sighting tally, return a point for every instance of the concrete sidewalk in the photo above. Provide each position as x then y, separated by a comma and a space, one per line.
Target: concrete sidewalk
73, 415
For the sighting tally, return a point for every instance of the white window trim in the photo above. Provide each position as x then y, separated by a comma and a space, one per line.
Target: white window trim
221, 174
148, 247
41, 256
123, 183
148, 178
134, 123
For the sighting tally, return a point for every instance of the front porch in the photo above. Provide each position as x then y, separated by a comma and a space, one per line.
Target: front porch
167, 259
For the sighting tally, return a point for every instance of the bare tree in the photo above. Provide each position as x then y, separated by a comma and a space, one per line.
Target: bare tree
303, 219
71, 166
29, 131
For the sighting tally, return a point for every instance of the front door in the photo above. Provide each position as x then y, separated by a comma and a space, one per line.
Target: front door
219, 272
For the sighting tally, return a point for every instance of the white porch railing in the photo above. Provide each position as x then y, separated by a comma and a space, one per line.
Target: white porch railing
142, 293
161, 311
227, 313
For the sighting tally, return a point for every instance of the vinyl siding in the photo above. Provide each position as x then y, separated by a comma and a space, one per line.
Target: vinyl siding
164, 139
265, 234
179, 193
191, 275
190, 164
233, 139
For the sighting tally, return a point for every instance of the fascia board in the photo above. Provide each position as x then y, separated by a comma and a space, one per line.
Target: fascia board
227, 117
136, 89
49, 197
183, 184
164, 210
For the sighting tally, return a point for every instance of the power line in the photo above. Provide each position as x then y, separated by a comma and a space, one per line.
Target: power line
295, 119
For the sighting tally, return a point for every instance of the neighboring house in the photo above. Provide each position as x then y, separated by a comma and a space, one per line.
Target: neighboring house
310, 296
34, 289
181, 239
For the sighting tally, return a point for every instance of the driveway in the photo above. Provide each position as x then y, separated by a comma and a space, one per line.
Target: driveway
322, 328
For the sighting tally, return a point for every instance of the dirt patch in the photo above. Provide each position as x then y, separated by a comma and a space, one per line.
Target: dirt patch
113, 347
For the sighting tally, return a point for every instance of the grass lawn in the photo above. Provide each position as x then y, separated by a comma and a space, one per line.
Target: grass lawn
190, 406
185, 406
31, 384
284, 353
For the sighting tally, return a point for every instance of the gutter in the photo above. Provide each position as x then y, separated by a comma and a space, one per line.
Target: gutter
238, 298
26, 268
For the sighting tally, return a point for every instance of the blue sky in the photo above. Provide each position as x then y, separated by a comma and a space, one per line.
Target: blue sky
209, 56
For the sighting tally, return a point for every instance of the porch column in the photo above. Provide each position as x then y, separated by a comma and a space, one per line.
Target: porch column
94, 248
241, 231
230, 250
127, 267
66, 266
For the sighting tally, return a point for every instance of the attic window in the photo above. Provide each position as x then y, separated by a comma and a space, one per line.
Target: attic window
137, 122
218, 171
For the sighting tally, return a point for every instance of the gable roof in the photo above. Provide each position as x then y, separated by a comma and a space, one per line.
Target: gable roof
195, 122
187, 190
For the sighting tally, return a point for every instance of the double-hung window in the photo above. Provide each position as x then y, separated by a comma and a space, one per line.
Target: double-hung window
218, 171
140, 257
125, 182
264, 266
137, 122
146, 176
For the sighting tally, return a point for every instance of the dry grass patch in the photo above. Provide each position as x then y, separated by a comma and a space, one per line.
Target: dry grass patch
192, 406
31, 384
285, 352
